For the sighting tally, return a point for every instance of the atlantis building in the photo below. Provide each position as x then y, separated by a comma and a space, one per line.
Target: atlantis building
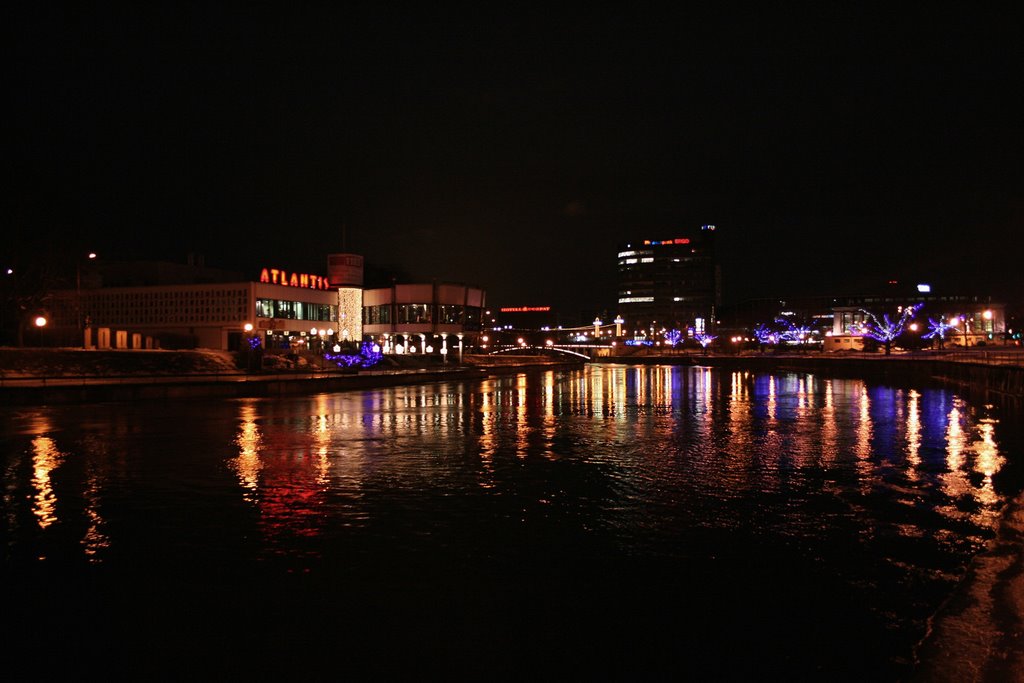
672, 283
137, 305
143, 305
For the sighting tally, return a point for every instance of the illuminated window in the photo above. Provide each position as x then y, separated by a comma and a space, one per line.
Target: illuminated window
450, 314
414, 313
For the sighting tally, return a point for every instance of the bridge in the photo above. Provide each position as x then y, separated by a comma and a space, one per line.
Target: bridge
528, 350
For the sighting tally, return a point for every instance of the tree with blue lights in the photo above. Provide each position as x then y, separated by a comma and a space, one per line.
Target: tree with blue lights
938, 330
673, 337
766, 336
704, 340
798, 334
886, 329
368, 356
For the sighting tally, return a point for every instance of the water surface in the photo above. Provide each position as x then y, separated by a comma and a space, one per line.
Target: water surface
611, 521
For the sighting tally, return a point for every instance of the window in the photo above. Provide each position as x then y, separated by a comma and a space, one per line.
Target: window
414, 313
377, 315
450, 314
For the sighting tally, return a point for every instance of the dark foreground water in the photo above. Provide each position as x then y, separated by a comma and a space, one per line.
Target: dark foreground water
605, 523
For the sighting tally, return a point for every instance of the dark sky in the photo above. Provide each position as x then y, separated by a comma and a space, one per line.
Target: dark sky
515, 149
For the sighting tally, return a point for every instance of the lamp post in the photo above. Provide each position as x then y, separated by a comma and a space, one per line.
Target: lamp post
40, 322
322, 351
78, 297
248, 349
459, 335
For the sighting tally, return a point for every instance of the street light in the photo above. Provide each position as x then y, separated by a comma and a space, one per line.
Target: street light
40, 323
78, 296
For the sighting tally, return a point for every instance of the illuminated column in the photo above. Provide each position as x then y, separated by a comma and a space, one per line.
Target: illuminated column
459, 335
597, 327
350, 313
618, 325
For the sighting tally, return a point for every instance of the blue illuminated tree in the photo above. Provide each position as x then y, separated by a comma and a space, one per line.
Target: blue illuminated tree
797, 334
673, 337
704, 340
368, 356
886, 329
938, 329
766, 336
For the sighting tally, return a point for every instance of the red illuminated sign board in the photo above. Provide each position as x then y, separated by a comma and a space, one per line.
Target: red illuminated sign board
526, 309
678, 240
276, 276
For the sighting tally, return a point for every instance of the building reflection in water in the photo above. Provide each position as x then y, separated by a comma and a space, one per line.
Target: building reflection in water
733, 434
644, 439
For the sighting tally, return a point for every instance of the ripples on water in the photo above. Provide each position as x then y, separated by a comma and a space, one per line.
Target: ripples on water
613, 520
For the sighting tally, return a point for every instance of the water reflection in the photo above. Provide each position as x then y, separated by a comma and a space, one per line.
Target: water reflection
616, 461
248, 464
46, 457
913, 422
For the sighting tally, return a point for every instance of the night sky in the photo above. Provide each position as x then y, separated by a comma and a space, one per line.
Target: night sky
515, 149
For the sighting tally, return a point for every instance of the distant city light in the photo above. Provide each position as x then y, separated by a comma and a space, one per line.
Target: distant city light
924, 289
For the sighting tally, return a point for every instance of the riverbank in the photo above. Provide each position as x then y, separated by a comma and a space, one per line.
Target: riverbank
74, 375
52, 376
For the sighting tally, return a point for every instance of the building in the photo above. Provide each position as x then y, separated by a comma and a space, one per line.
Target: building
965, 320
418, 318
669, 284
155, 305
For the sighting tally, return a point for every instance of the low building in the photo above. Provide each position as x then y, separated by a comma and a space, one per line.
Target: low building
282, 307
965, 320
409, 318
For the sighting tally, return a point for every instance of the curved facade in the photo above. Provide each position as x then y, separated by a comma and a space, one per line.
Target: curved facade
412, 313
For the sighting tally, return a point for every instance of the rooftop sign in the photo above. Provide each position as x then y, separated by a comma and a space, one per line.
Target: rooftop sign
275, 276
677, 240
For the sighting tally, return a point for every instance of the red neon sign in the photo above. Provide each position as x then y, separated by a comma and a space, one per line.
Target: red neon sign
677, 240
525, 309
284, 278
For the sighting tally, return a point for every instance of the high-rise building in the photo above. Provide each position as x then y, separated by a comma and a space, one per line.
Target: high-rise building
669, 283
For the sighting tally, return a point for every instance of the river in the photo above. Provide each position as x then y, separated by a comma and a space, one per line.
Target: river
607, 522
